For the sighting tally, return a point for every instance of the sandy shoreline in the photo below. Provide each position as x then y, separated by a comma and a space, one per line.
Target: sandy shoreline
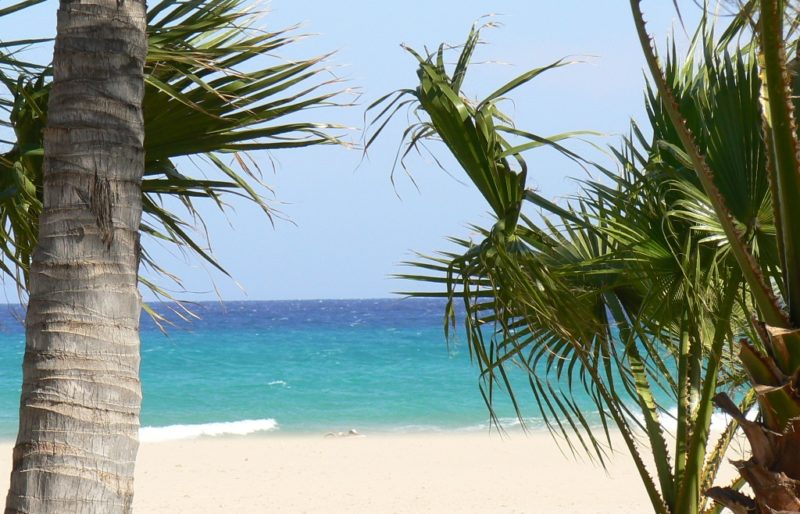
416, 473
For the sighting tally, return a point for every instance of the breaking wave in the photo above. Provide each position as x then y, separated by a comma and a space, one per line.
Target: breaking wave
177, 432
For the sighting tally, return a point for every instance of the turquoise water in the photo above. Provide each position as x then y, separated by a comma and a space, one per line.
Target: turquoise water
294, 366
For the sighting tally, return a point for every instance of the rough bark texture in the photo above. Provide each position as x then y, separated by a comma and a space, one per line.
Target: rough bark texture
79, 412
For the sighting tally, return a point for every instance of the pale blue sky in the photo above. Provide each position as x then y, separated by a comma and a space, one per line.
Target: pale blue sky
350, 230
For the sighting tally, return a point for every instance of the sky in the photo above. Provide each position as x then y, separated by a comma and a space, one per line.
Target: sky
351, 227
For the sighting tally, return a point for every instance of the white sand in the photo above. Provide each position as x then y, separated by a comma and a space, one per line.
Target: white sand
377, 474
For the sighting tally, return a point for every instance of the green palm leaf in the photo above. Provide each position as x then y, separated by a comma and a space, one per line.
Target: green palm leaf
211, 91
617, 297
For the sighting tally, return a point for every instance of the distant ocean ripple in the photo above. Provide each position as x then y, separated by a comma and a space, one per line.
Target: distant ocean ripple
295, 367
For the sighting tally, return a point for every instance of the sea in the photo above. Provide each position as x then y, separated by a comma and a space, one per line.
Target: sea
295, 367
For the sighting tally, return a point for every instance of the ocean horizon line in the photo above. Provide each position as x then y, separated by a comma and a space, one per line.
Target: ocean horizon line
399, 297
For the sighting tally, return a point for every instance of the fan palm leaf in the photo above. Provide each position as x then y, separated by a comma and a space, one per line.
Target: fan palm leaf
624, 296
764, 244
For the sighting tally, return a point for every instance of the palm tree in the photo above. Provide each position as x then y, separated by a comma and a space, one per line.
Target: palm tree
207, 94
771, 355
629, 295
81, 393
115, 113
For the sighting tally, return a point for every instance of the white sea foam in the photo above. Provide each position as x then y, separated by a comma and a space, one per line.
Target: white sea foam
176, 432
719, 420
277, 382
509, 424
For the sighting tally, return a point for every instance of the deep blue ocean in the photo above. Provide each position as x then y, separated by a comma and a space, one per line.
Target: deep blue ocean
293, 367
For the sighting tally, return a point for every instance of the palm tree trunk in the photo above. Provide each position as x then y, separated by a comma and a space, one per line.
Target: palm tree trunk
79, 412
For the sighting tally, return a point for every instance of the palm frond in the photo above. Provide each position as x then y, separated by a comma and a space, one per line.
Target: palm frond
616, 297
214, 90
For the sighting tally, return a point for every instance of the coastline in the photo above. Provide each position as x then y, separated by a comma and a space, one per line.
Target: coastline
246, 444
378, 473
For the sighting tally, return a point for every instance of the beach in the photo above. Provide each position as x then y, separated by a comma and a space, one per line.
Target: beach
237, 405
375, 474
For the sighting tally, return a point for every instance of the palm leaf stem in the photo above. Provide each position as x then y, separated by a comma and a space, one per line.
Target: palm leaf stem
683, 412
762, 293
689, 487
647, 403
780, 124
